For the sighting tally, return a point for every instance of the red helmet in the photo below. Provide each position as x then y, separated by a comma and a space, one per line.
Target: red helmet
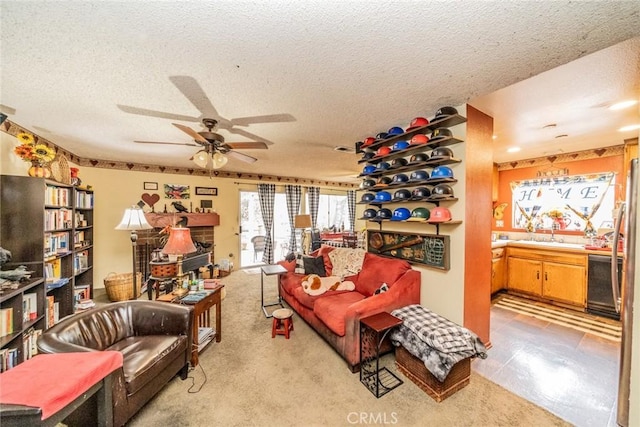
368, 141
383, 151
419, 139
417, 122
440, 214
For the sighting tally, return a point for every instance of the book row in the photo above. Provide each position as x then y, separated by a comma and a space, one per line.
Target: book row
9, 356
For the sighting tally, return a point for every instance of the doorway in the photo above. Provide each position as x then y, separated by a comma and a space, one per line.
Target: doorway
252, 229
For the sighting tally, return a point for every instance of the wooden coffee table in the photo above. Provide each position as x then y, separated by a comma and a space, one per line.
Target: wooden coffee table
202, 319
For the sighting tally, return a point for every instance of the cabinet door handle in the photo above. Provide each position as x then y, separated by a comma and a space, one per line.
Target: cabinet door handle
538, 274
545, 276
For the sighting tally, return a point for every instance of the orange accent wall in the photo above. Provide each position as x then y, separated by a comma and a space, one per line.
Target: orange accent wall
478, 214
505, 177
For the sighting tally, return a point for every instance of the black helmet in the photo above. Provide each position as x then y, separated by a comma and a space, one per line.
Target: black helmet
441, 153
418, 158
400, 178
445, 112
381, 135
420, 193
368, 155
367, 197
402, 195
440, 133
441, 191
369, 214
367, 183
384, 213
419, 176
398, 163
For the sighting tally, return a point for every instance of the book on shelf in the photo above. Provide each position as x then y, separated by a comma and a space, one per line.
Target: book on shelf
8, 358
6, 321
81, 293
29, 343
84, 200
50, 311
85, 304
29, 307
57, 196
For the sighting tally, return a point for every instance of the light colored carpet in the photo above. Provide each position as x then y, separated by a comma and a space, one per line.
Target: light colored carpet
250, 379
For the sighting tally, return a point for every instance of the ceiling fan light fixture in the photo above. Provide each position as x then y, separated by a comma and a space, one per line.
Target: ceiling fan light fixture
219, 160
201, 158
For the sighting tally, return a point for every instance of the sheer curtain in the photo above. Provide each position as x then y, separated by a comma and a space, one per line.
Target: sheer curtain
267, 195
293, 194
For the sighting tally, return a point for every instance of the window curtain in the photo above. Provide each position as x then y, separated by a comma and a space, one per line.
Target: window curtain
351, 205
314, 201
267, 195
293, 194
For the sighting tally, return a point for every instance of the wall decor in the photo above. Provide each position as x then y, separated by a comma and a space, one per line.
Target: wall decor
176, 191
431, 250
206, 191
206, 204
150, 185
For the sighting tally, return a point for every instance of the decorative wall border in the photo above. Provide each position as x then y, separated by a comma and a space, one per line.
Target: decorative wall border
13, 129
616, 150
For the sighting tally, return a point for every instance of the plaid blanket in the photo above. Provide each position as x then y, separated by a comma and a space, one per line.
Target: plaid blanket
437, 341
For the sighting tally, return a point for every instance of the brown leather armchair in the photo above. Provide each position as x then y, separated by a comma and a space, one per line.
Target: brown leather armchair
154, 338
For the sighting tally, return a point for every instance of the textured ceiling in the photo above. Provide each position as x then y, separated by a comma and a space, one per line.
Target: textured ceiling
336, 72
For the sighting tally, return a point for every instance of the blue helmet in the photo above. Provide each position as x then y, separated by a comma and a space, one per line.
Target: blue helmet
369, 169
400, 145
396, 130
401, 214
383, 196
440, 172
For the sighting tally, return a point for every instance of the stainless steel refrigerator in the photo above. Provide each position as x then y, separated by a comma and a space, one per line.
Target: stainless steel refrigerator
626, 223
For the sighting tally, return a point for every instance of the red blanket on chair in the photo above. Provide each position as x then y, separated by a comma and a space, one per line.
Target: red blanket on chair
52, 381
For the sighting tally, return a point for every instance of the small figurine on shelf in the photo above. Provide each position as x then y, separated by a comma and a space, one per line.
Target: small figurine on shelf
75, 180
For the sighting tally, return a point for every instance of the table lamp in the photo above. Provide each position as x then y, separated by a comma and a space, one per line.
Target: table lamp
179, 244
134, 220
302, 221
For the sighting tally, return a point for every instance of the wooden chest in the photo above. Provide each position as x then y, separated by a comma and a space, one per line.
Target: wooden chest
414, 369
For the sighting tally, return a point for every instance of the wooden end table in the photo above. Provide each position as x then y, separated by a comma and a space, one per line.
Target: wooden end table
203, 332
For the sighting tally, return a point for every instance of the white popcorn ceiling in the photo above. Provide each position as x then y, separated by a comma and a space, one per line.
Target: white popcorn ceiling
344, 71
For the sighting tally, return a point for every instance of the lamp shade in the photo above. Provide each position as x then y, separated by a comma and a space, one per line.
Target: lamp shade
302, 221
219, 160
201, 158
179, 242
133, 219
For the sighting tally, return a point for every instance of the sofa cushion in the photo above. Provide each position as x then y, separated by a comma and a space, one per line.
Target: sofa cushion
314, 266
332, 309
145, 356
289, 282
377, 270
309, 300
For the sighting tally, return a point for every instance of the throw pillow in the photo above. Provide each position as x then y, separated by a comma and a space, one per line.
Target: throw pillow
382, 289
299, 264
346, 261
377, 270
314, 266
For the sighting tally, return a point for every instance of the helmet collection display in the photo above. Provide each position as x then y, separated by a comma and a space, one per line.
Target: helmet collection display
368, 141
367, 197
419, 139
417, 122
400, 178
398, 163
369, 214
369, 169
441, 153
368, 155
400, 145
396, 130
383, 151
401, 214
382, 166
420, 193
445, 112
382, 182
381, 136
383, 196
368, 183
418, 158
384, 213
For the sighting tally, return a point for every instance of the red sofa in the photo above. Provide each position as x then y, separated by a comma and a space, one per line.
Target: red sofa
335, 315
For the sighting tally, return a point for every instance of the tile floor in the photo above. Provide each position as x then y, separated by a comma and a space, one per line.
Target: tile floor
570, 373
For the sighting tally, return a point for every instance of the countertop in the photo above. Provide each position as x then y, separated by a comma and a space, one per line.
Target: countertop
554, 246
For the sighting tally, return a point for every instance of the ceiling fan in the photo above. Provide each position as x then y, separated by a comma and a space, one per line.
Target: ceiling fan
213, 146
192, 90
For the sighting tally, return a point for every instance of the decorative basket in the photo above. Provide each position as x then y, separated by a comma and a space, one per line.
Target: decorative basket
163, 269
119, 287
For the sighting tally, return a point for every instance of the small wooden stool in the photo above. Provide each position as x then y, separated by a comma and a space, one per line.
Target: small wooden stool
282, 322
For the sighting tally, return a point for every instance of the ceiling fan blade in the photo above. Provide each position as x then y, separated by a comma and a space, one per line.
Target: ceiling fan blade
167, 143
192, 90
249, 135
192, 133
258, 145
154, 113
271, 118
241, 156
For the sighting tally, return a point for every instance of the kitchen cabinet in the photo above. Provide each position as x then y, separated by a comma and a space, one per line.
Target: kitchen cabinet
497, 269
555, 276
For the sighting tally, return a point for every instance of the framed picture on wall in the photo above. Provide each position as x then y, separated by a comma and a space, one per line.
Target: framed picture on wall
206, 191
150, 185
176, 191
